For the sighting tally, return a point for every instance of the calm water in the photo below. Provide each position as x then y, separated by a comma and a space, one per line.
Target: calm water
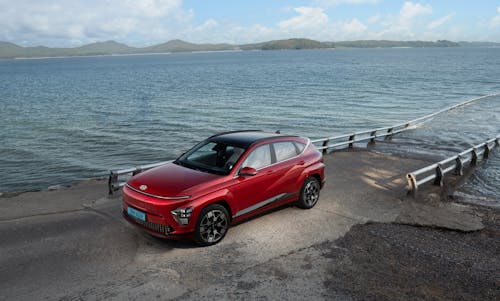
68, 119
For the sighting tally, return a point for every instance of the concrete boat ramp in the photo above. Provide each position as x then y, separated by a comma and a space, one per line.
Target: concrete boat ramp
365, 239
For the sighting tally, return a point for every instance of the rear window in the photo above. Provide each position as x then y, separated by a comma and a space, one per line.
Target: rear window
285, 150
300, 146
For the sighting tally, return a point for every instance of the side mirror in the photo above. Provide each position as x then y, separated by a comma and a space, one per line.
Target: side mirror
247, 171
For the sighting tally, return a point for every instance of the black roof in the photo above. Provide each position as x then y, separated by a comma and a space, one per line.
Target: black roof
243, 139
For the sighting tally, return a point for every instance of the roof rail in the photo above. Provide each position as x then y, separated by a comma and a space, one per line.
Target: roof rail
231, 132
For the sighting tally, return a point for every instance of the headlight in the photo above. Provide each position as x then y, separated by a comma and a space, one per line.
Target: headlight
182, 215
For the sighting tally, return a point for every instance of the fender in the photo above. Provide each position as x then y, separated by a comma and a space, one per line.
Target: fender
315, 168
201, 202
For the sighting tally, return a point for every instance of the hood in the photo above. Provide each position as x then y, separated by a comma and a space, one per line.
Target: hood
169, 180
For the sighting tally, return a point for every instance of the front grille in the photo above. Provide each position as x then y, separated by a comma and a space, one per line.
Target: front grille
164, 229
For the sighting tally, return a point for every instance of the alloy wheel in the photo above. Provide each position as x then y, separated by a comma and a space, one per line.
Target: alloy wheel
213, 226
311, 193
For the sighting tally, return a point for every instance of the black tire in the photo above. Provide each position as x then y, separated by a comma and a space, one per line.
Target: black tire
212, 225
309, 193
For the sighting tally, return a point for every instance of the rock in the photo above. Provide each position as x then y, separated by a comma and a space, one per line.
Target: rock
55, 187
443, 215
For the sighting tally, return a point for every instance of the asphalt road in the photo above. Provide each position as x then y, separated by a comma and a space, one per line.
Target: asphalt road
72, 244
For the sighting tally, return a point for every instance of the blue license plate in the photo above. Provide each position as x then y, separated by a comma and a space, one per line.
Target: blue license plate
136, 213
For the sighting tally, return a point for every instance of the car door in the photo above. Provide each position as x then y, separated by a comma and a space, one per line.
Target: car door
253, 192
287, 168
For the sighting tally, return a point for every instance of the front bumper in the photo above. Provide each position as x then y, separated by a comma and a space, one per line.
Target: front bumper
159, 220
160, 229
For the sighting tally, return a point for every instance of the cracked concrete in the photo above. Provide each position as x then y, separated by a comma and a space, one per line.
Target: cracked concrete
73, 244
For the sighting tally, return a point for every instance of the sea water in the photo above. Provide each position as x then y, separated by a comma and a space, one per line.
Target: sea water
67, 119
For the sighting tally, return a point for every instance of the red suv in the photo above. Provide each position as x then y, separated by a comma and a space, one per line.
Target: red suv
224, 179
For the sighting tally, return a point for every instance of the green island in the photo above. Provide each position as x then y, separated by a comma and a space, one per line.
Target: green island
10, 50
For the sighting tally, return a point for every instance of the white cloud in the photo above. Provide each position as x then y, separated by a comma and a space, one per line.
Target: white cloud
406, 24
308, 18
354, 27
495, 21
147, 22
207, 25
151, 8
329, 3
55, 22
374, 19
438, 22
411, 10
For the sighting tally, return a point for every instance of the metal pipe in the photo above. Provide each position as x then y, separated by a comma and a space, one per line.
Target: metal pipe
440, 169
401, 127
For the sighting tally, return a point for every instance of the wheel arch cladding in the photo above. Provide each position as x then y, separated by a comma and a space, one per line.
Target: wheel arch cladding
317, 177
225, 204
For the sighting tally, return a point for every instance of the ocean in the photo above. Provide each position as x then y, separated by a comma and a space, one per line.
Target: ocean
63, 120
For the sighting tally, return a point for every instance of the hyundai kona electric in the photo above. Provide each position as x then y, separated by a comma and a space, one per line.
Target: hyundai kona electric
224, 179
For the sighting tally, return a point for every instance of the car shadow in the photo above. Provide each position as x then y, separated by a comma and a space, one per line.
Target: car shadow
167, 244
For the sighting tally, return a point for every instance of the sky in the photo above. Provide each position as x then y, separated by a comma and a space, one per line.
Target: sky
67, 23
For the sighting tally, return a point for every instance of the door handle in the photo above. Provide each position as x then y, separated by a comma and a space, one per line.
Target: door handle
301, 163
270, 172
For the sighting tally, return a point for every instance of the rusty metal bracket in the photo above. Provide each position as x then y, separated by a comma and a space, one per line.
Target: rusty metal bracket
351, 139
438, 181
459, 166
412, 184
325, 145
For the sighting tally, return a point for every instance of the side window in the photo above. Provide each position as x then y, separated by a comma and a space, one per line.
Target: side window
300, 146
284, 150
260, 157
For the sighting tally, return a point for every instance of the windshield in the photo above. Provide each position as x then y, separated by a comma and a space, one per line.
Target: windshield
212, 157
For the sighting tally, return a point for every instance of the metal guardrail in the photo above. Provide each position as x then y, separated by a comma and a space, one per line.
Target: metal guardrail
325, 144
368, 135
113, 182
436, 172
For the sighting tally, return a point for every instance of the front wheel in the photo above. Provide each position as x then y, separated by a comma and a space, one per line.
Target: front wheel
309, 193
212, 225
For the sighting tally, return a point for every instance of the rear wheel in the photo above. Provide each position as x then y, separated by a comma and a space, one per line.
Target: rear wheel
309, 193
212, 225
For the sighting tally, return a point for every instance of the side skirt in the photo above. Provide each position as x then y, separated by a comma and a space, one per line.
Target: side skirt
259, 205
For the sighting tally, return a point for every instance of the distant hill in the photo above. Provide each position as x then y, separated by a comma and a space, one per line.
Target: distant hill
100, 48
182, 46
393, 44
10, 50
479, 44
285, 44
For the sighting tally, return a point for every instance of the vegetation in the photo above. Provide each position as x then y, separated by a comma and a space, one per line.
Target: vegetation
393, 44
285, 44
10, 50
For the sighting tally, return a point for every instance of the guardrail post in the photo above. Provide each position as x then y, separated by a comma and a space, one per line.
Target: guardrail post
113, 178
389, 137
412, 184
138, 170
486, 153
351, 138
439, 176
325, 145
373, 135
473, 160
459, 166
